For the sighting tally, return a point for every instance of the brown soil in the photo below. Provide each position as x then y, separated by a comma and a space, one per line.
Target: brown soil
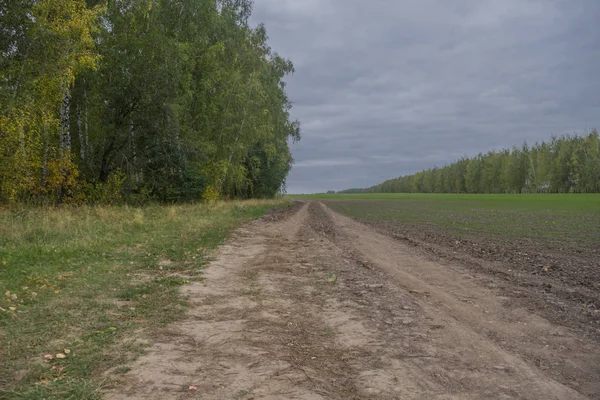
315, 305
561, 282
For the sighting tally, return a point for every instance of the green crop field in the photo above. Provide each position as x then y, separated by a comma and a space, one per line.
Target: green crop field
539, 242
547, 218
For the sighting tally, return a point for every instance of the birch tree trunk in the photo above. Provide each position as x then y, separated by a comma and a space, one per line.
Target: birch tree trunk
80, 133
85, 118
45, 158
233, 148
132, 144
65, 122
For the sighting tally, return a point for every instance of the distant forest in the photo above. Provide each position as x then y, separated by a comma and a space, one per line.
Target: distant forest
566, 164
110, 100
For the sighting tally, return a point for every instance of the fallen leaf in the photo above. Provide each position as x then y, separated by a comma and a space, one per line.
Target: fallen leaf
7, 293
44, 382
13, 296
33, 294
193, 388
60, 356
67, 351
49, 356
12, 308
56, 291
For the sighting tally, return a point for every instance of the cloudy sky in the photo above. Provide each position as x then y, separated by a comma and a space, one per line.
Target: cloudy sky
389, 87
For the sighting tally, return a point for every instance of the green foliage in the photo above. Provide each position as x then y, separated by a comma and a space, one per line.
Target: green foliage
49, 44
177, 98
568, 164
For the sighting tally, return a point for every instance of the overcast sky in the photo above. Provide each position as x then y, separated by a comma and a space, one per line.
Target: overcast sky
385, 88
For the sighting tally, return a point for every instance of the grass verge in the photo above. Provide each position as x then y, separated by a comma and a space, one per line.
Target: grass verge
81, 288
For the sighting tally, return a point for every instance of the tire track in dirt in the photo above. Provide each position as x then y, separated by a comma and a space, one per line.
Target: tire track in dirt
474, 316
289, 309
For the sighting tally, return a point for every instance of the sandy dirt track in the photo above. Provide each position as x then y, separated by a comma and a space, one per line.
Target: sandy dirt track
314, 305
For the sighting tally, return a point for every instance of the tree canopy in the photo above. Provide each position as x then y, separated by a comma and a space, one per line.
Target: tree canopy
566, 164
167, 99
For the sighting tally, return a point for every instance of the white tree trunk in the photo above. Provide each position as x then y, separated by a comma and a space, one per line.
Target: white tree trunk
233, 148
80, 133
132, 144
22, 142
65, 122
45, 160
85, 117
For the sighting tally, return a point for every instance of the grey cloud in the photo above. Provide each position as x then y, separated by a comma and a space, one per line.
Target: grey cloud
385, 88
327, 162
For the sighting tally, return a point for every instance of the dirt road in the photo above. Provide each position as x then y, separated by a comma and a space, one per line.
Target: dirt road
314, 305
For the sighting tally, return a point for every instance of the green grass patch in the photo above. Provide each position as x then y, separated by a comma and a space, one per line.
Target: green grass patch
84, 283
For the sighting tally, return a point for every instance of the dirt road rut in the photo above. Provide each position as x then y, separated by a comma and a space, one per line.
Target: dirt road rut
318, 306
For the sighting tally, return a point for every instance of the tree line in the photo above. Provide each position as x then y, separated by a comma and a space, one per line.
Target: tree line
172, 100
565, 164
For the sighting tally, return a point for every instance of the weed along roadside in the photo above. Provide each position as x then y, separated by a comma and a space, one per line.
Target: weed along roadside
85, 289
